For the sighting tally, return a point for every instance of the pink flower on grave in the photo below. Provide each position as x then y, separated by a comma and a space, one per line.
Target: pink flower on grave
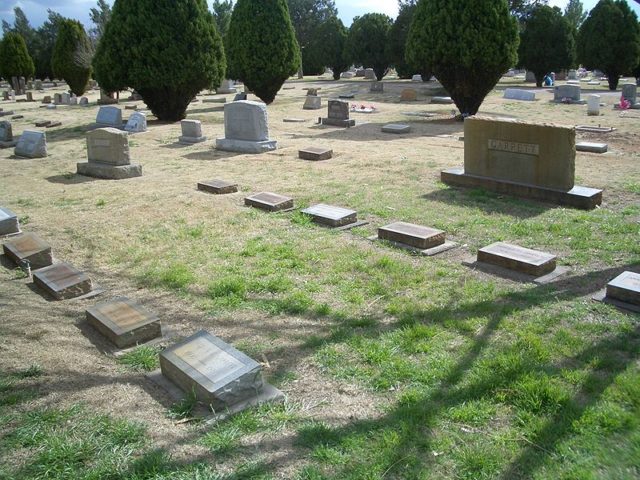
624, 103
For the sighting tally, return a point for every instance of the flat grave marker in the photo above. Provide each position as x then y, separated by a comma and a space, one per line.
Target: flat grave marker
623, 292
592, 147
8, 222
315, 153
62, 281
518, 94
397, 128
271, 202
28, 247
332, 216
218, 187
221, 376
411, 234
124, 322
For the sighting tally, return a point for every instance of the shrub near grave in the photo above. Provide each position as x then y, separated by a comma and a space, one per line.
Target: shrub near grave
140, 50
72, 53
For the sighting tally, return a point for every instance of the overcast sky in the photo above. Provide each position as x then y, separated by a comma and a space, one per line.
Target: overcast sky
36, 10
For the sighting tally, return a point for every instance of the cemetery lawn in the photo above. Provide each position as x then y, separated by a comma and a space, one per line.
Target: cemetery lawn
395, 366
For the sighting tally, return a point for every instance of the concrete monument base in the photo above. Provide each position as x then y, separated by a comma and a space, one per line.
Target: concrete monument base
338, 122
109, 172
244, 146
580, 197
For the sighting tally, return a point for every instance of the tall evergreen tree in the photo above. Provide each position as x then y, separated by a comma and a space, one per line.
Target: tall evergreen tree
262, 47
99, 16
469, 45
167, 50
397, 43
45, 41
575, 14
72, 55
331, 39
609, 39
366, 44
15, 60
306, 17
546, 42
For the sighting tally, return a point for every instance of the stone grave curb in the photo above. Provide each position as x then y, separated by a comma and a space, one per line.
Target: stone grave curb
474, 264
429, 252
601, 296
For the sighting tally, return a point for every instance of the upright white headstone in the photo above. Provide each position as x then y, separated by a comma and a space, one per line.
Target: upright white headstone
137, 123
593, 105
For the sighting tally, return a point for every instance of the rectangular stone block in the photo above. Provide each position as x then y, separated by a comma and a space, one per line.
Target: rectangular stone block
8, 222
108, 171
62, 281
124, 322
28, 248
566, 93
517, 94
625, 287
411, 234
31, 144
519, 259
271, 202
109, 146
338, 110
398, 128
109, 117
315, 153
592, 147
220, 375
312, 103
218, 187
246, 120
331, 215
191, 132
542, 155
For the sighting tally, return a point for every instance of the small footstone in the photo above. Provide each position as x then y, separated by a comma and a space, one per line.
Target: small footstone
8, 222
293, 120
413, 235
592, 147
519, 259
347, 96
42, 123
17, 117
124, 322
625, 287
218, 187
331, 215
315, 153
396, 128
28, 248
62, 281
271, 202
53, 124
220, 375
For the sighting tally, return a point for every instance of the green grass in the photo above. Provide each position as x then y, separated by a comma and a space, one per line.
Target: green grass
141, 359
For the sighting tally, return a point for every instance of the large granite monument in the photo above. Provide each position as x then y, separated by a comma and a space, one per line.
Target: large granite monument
246, 128
108, 153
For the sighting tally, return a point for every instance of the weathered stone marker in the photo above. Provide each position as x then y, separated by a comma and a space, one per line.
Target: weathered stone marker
567, 94
331, 215
630, 93
28, 248
62, 281
272, 202
31, 144
625, 288
191, 132
218, 187
397, 128
109, 117
315, 153
246, 128
523, 159
6, 135
220, 375
137, 123
108, 152
312, 103
226, 87
124, 322
338, 114
592, 147
518, 94
519, 259
413, 235
593, 105
8, 222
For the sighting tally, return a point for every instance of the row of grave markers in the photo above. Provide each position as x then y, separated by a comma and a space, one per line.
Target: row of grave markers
222, 378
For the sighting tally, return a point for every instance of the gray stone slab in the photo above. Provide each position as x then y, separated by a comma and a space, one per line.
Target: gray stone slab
331, 215
294, 120
124, 322
625, 288
108, 146
411, 234
109, 172
271, 202
8, 222
427, 252
53, 124
62, 281
219, 374
591, 147
31, 144
347, 96
42, 123
336, 122
396, 128
137, 123
218, 187
442, 100
109, 117
594, 129
518, 94
28, 247
244, 146
315, 153
312, 103
338, 114
519, 259
191, 132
